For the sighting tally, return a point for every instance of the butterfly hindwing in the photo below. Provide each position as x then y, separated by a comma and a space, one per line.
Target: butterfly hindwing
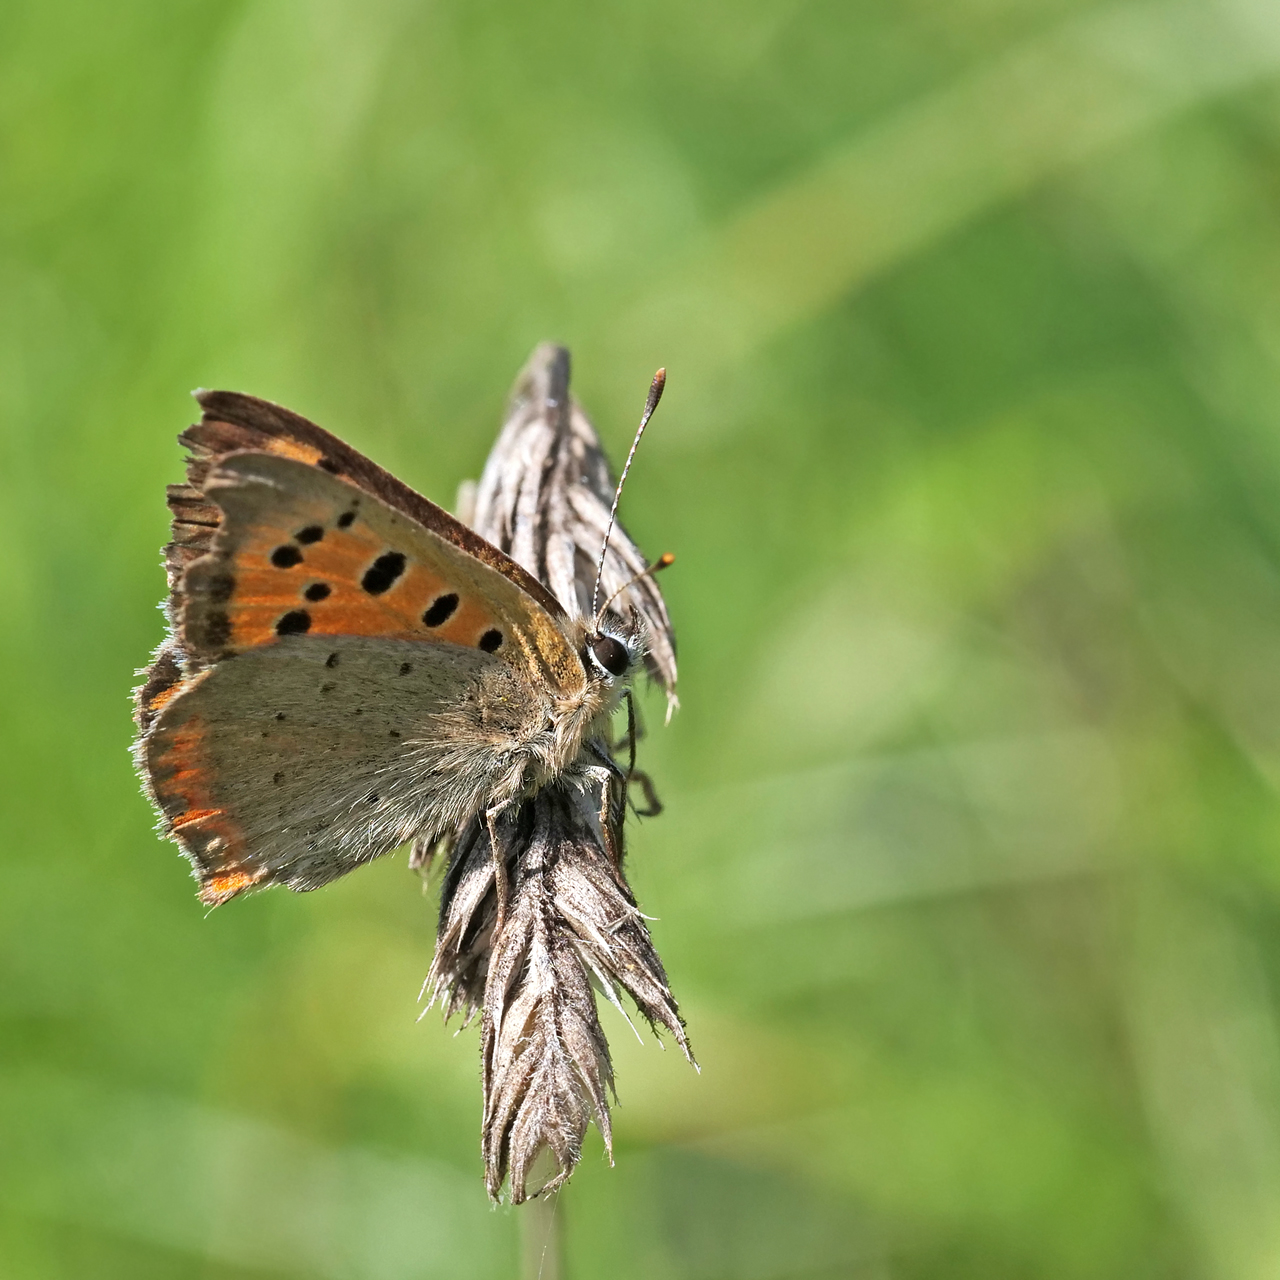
295, 762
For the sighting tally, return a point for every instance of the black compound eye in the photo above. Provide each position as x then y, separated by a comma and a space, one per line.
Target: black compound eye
611, 654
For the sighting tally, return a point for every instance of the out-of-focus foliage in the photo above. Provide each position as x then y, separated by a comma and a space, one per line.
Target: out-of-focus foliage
969, 880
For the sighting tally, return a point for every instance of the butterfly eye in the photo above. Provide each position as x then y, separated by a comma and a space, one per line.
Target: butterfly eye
611, 654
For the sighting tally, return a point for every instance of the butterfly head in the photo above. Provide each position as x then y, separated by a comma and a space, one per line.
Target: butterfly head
612, 649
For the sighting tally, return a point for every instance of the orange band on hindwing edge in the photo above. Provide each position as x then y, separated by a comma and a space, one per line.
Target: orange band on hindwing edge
205, 831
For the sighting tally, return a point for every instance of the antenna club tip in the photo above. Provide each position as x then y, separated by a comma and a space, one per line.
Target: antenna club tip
655, 392
666, 559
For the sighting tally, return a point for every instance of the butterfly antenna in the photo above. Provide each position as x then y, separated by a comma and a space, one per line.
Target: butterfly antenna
665, 560
655, 394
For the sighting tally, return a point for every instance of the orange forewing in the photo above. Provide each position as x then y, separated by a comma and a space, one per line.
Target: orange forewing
299, 550
234, 423
339, 562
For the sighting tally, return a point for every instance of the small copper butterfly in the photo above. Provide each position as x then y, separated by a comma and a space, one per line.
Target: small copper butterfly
350, 667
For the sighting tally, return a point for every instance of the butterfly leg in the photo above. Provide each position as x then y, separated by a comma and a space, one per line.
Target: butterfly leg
610, 826
653, 806
612, 814
635, 731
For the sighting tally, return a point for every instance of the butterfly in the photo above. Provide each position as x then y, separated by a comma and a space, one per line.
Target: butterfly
350, 667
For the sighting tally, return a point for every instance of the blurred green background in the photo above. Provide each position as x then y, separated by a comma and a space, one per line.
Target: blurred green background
969, 882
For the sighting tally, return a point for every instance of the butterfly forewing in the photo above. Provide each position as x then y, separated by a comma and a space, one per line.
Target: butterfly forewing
301, 552
236, 423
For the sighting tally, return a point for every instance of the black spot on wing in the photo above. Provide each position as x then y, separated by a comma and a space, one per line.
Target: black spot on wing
312, 533
346, 519
286, 557
405, 668
441, 610
294, 623
331, 661
491, 641
383, 572
318, 591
